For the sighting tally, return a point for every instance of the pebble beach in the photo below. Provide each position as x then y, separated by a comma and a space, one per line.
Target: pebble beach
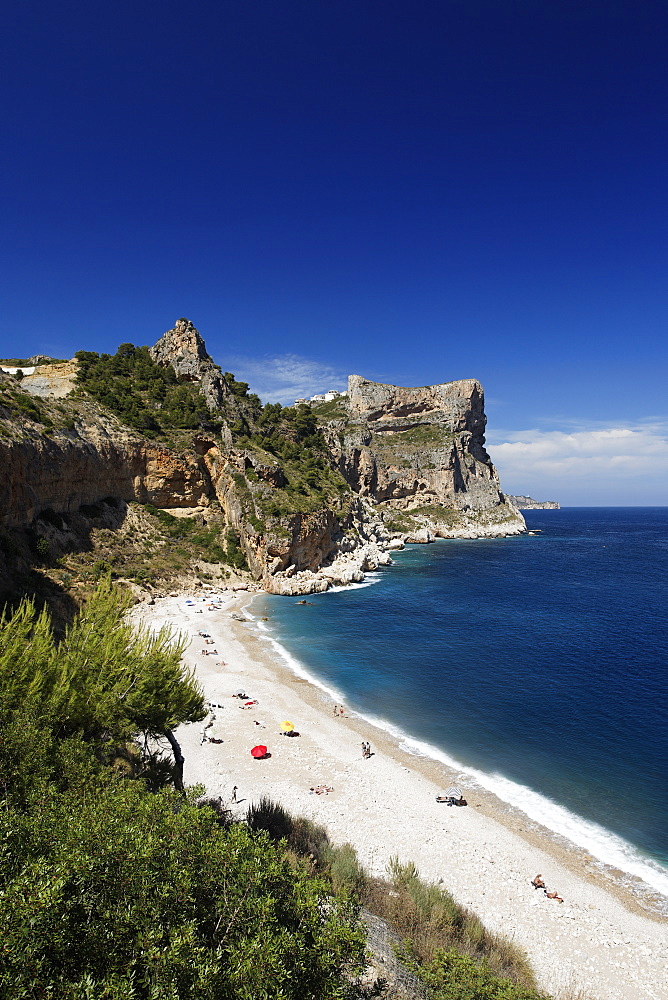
600, 942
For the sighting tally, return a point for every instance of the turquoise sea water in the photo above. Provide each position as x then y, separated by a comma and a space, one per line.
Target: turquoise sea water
537, 664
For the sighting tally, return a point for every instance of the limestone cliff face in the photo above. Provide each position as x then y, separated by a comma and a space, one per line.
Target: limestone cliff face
300, 541
184, 349
99, 458
421, 451
414, 460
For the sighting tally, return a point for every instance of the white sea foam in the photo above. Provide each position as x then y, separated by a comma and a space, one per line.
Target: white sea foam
296, 666
603, 845
369, 580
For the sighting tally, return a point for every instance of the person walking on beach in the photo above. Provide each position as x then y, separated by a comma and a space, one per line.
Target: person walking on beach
336, 710
234, 794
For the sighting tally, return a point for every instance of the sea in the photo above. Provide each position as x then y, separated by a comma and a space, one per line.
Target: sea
536, 665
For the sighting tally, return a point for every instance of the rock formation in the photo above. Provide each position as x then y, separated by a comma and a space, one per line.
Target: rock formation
419, 453
528, 503
398, 465
96, 459
184, 349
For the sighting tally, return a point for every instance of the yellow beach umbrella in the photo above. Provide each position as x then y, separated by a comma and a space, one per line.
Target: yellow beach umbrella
287, 727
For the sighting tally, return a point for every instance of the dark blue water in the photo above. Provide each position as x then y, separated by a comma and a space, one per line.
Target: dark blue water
541, 660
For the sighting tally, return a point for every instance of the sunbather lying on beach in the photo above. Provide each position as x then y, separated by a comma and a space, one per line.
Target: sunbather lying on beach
538, 883
321, 789
554, 895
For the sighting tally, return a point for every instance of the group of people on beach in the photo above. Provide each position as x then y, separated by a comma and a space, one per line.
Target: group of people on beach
320, 790
538, 883
338, 710
366, 749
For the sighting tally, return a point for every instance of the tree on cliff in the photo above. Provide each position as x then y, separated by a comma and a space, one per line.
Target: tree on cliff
105, 680
109, 889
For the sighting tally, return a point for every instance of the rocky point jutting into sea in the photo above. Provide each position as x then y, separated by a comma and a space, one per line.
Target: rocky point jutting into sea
316, 496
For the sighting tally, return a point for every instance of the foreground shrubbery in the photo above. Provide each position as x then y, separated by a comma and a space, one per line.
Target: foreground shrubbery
108, 891
114, 885
445, 945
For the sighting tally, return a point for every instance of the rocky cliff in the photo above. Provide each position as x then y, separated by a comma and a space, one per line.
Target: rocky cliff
419, 455
87, 459
183, 348
314, 497
528, 503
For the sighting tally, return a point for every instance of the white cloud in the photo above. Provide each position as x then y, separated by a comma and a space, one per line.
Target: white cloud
285, 377
591, 465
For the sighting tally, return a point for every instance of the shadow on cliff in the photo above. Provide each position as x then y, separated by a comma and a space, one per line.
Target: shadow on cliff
27, 555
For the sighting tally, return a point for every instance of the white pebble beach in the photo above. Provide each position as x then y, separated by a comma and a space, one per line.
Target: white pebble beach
602, 942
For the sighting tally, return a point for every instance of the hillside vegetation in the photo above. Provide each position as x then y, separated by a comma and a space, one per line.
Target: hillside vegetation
115, 885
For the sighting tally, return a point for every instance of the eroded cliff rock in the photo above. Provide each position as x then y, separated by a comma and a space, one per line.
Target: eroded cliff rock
396, 465
95, 459
419, 454
528, 503
183, 348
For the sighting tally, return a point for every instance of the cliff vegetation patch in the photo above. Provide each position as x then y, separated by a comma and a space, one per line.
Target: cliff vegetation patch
148, 397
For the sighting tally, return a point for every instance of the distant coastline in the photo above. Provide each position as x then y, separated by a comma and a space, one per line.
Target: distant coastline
528, 503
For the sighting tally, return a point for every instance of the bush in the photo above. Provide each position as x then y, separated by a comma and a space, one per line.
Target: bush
113, 892
43, 549
432, 923
346, 872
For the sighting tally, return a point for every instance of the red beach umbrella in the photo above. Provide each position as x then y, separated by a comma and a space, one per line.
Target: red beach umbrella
258, 752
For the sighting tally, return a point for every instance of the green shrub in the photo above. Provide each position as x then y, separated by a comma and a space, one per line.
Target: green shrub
431, 922
42, 548
451, 975
345, 870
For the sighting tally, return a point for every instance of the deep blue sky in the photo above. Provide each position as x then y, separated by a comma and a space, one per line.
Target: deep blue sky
413, 191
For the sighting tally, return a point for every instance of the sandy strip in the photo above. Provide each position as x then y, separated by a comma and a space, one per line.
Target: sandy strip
597, 941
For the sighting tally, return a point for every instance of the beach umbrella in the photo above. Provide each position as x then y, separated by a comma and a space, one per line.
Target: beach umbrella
453, 793
258, 752
240, 693
287, 727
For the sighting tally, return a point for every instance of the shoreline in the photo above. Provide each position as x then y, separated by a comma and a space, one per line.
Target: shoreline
602, 939
520, 802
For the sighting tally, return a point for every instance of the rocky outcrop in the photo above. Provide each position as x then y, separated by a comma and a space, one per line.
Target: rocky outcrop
297, 542
362, 547
55, 380
98, 458
419, 453
528, 503
184, 349
414, 460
